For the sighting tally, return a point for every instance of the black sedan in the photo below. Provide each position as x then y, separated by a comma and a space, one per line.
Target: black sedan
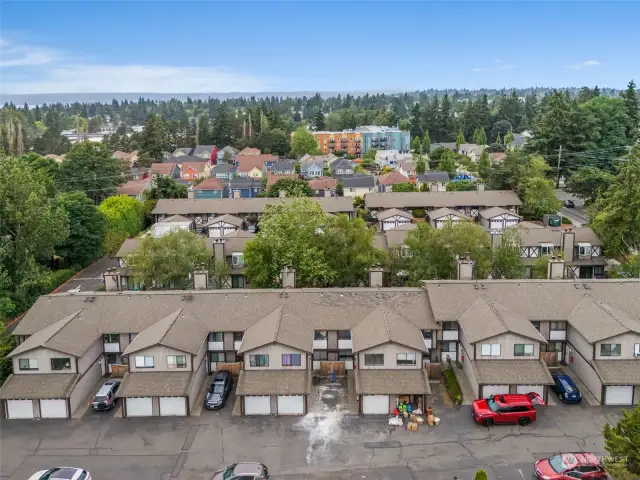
221, 386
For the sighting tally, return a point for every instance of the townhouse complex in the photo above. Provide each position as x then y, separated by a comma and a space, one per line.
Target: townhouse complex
360, 140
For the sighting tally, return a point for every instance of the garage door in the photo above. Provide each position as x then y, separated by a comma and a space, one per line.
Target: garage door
53, 408
139, 407
375, 404
257, 405
488, 390
20, 408
539, 389
173, 406
290, 405
618, 395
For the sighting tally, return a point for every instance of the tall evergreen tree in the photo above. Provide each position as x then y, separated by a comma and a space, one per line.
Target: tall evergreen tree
426, 142
631, 105
416, 121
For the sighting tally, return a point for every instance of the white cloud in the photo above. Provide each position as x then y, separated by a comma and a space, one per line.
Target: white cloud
496, 69
479, 69
587, 64
40, 70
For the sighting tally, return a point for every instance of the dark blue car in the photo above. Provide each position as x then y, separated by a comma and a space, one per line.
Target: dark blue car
566, 389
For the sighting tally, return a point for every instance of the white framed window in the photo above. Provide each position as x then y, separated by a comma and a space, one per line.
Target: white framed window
584, 249
404, 251
28, 364
217, 356
636, 350
237, 259
490, 350
546, 249
176, 361
291, 360
215, 337
610, 349
144, 362
320, 335
523, 350
403, 359
259, 360
374, 359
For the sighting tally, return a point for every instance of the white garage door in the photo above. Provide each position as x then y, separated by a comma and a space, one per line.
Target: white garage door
139, 407
539, 389
173, 406
488, 390
375, 404
20, 408
618, 395
257, 405
53, 408
290, 404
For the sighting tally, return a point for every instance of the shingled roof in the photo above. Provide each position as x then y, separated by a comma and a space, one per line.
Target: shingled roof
280, 326
487, 198
385, 325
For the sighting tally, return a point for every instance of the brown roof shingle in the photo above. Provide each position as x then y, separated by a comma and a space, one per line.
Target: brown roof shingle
595, 320
392, 178
39, 385
133, 187
210, 183
487, 198
163, 168
385, 325
618, 372
274, 382
280, 326
412, 381
392, 212
510, 372
154, 384
246, 163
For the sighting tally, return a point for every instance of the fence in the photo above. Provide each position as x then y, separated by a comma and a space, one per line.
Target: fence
434, 370
549, 358
234, 367
338, 368
119, 370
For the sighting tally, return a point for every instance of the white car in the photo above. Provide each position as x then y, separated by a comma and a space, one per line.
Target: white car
62, 473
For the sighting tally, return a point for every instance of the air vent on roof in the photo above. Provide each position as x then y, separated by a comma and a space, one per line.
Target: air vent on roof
186, 297
586, 286
89, 299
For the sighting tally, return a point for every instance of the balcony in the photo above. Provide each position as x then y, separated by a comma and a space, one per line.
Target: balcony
345, 344
112, 347
236, 345
319, 344
449, 335
216, 346
557, 334
428, 343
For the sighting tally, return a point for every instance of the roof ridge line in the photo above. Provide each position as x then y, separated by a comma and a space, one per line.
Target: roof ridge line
493, 309
177, 314
277, 330
605, 310
71, 316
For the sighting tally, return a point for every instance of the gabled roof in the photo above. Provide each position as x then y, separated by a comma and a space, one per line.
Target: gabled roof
283, 166
495, 211
325, 183
203, 149
392, 212
42, 337
163, 168
392, 178
396, 236
133, 187
342, 163
442, 212
127, 247
246, 163
220, 206
280, 326
179, 152
596, 320
210, 183
230, 149
226, 218
250, 151
272, 178
359, 181
174, 219
306, 163
486, 318
199, 167
385, 325
487, 198
223, 168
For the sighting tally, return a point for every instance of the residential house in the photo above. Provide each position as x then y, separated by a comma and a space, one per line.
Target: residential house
498, 157
390, 158
388, 180
498, 218
242, 187
311, 167
519, 140
276, 374
579, 247
394, 239
227, 154
323, 187
126, 158
224, 171
250, 151
468, 203
448, 145
182, 151
393, 218
202, 210
209, 188
443, 216
159, 229
223, 225
273, 178
206, 152
136, 173
436, 181
283, 167
471, 150
358, 185
191, 171
406, 167
253, 166
165, 170
135, 188
191, 159
230, 248
341, 168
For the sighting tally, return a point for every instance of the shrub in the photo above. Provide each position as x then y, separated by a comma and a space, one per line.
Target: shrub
419, 212
481, 475
452, 385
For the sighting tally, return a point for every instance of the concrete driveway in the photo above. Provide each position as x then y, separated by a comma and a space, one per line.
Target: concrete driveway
90, 278
347, 447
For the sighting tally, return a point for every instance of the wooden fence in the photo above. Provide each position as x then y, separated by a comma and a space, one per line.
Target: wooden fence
338, 368
234, 367
549, 358
434, 370
119, 371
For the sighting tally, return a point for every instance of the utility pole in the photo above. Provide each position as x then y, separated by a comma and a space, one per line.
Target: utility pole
558, 174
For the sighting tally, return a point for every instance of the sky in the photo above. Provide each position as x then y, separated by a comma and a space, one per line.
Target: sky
213, 46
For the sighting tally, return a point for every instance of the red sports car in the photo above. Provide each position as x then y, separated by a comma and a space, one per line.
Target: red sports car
567, 466
508, 408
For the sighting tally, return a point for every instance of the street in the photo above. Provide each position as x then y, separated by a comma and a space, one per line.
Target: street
90, 278
314, 447
577, 215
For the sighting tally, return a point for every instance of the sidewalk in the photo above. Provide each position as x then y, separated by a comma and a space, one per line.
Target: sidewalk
467, 392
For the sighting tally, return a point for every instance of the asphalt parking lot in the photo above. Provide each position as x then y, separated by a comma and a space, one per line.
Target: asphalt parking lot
319, 446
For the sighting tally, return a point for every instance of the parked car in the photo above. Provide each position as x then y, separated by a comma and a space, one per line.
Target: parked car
62, 473
508, 408
565, 388
569, 204
243, 471
106, 397
221, 386
567, 466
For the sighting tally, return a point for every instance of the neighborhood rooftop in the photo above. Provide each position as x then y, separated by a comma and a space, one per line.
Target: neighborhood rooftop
220, 206
486, 198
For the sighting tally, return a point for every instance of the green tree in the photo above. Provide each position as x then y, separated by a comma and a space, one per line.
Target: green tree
509, 137
7, 343
479, 136
632, 108
421, 166
480, 475
588, 182
539, 198
459, 138
426, 142
303, 142
154, 140
274, 141
219, 272
629, 268
168, 261
222, 131
404, 187
614, 215
318, 119
91, 168
290, 235
416, 145
607, 123
48, 167
484, 164
86, 229
539, 268
340, 189
124, 219
292, 187
506, 261
461, 186
498, 140
166, 187
447, 163
435, 251
623, 442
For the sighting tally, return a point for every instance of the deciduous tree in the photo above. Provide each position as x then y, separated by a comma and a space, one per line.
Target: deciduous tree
292, 187
459, 138
426, 142
124, 219
303, 142
622, 441
166, 187
588, 182
506, 260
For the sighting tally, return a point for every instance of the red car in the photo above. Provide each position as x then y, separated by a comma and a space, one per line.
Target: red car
570, 465
508, 408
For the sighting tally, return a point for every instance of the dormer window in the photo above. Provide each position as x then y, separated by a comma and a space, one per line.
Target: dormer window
546, 249
584, 249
